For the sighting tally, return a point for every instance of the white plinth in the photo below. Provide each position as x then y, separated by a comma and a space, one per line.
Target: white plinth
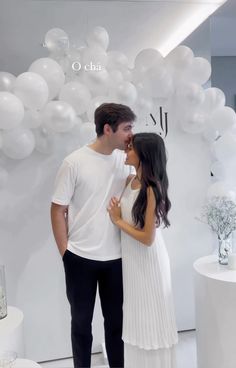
215, 297
25, 363
11, 331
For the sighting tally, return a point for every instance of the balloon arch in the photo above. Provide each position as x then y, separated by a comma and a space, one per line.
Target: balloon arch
59, 94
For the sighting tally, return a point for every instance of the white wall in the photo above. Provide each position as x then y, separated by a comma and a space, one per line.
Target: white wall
34, 273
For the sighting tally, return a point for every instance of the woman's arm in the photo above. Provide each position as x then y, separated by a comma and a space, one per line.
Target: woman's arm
145, 235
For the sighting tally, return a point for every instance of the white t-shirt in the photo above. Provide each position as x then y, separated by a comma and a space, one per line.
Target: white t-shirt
86, 181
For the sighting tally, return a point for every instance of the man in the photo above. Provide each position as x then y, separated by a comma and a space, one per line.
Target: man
86, 238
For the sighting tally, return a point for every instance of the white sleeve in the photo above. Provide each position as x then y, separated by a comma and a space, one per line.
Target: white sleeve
64, 184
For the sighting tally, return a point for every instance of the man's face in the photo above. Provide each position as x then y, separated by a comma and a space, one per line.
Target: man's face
122, 137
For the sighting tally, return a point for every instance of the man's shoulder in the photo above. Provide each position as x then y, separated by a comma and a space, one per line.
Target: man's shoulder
74, 156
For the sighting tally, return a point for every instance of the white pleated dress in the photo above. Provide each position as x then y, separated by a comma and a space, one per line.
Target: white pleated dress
149, 328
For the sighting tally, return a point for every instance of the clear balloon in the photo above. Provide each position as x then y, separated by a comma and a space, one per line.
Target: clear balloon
59, 116
98, 37
77, 95
7, 81
18, 143
56, 40
52, 72
32, 89
11, 110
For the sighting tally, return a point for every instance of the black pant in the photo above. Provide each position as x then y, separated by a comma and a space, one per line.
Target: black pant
82, 277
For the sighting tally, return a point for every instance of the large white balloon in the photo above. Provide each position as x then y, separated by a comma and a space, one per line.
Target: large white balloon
32, 89
56, 40
125, 93
77, 95
214, 98
157, 82
59, 116
190, 95
222, 119
98, 37
148, 58
18, 143
180, 58
52, 72
225, 147
11, 110
199, 70
7, 81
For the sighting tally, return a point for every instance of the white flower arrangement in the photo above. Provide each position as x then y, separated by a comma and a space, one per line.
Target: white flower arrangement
220, 214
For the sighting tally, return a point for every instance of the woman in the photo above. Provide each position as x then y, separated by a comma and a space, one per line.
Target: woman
149, 329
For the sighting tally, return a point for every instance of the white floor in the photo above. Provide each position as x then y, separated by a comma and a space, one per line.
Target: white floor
186, 354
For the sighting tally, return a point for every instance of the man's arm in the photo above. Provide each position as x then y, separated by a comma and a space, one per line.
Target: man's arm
59, 226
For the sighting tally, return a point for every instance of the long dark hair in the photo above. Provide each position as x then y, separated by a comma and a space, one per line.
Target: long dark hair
150, 149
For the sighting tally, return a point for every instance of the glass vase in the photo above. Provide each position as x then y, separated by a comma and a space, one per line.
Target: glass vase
3, 298
225, 247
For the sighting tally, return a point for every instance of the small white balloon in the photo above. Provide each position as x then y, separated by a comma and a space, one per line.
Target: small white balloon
98, 37
199, 70
52, 72
93, 58
3, 177
158, 82
11, 110
195, 123
32, 89
97, 81
115, 77
44, 140
222, 119
7, 81
116, 60
18, 143
125, 93
190, 94
56, 40
214, 99
59, 116
77, 95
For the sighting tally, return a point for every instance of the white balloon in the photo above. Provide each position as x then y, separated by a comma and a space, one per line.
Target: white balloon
190, 94
59, 116
93, 104
214, 98
7, 81
3, 177
143, 107
158, 82
180, 58
199, 70
221, 189
116, 60
97, 81
148, 58
77, 95
115, 77
52, 72
32, 119
44, 140
87, 133
56, 40
225, 147
125, 93
18, 143
11, 110
98, 37
32, 89
195, 123
222, 119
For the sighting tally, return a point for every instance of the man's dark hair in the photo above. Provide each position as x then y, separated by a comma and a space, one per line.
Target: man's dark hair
112, 114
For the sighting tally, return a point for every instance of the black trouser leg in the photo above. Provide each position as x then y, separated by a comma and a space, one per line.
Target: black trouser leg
111, 295
81, 286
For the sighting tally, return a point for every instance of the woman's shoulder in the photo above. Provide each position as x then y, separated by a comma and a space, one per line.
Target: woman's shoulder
129, 178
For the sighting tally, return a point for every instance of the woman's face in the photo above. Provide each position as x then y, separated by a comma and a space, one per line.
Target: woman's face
132, 157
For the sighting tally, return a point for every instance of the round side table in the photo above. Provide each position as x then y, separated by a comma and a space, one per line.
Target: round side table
215, 301
11, 331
